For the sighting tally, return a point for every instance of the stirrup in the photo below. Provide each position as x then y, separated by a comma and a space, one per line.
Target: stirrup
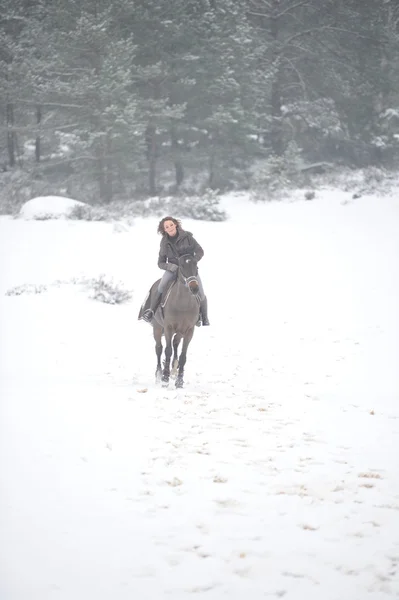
148, 315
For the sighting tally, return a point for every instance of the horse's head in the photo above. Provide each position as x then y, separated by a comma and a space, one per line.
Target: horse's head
188, 272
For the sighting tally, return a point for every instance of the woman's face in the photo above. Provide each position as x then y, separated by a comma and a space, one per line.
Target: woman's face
170, 228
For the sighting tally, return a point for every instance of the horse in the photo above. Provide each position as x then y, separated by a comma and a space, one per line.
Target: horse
175, 319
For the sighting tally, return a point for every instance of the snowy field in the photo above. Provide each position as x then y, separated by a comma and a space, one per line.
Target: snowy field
274, 473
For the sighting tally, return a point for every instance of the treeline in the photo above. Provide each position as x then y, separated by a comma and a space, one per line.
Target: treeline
136, 95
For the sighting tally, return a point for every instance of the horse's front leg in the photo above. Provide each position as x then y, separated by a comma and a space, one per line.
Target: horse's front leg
157, 331
168, 355
183, 357
175, 361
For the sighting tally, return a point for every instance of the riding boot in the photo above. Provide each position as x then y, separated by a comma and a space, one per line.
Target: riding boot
204, 312
150, 312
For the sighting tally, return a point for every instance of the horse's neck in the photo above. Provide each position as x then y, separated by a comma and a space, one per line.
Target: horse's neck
181, 288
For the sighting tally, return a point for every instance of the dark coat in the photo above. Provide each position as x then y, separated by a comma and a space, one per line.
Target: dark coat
171, 249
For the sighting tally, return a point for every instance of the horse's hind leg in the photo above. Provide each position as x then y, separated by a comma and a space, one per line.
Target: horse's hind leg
183, 357
157, 331
175, 360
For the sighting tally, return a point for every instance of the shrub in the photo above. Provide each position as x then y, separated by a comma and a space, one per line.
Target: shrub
26, 288
108, 291
85, 212
204, 207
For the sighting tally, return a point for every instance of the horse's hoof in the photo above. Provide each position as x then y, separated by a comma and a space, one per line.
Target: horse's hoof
179, 382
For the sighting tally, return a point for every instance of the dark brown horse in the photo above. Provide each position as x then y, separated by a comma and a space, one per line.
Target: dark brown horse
175, 319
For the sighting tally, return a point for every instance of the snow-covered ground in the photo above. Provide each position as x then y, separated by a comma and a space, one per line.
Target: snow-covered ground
274, 473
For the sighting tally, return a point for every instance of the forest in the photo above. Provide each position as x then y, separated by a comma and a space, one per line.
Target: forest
125, 99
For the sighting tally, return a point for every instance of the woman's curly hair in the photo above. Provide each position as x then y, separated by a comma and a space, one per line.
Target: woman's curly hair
162, 221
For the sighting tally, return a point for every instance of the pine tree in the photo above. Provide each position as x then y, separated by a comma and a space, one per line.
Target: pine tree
92, 91
222, 110
92, 82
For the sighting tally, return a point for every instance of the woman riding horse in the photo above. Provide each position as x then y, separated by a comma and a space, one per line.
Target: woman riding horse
176, 242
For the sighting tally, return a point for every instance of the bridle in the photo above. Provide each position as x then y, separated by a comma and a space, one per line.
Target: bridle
186, 280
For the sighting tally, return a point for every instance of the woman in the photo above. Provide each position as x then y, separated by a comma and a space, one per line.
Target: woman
174, 243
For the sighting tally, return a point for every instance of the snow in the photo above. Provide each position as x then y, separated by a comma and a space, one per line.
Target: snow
48, 207
272, 474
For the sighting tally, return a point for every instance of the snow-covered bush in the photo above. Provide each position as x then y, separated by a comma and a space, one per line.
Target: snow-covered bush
108, 291
358, 181
85, 212
48, 207
101, 288
204, 207
26, 288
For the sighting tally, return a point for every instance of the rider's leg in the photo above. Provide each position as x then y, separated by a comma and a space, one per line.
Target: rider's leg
166, 279
203, 318
204, 311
